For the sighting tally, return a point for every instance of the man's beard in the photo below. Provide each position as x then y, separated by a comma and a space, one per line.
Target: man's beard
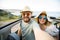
27, 20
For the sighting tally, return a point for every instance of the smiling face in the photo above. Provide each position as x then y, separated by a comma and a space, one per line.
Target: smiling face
42, 19
26, 16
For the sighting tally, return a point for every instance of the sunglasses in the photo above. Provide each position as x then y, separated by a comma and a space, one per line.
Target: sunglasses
40, 17
27, 13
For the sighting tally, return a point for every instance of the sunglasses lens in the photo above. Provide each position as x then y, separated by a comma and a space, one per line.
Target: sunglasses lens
26, 14
45, 17
40, 17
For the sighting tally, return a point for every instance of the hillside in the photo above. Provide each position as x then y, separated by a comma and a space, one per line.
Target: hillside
4, 15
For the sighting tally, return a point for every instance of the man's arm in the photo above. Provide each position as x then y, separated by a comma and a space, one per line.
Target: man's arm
39, 34
19, 31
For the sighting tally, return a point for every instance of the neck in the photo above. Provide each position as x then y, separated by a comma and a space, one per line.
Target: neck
42, 26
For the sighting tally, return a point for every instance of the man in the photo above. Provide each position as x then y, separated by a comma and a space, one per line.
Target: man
27, 25
30, 29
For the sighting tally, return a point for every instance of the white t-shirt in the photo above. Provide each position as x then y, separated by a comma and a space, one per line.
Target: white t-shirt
39, 34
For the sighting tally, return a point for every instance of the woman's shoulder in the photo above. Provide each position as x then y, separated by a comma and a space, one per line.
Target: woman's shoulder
51, 25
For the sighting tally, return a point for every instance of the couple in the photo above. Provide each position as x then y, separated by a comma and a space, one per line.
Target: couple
30, 29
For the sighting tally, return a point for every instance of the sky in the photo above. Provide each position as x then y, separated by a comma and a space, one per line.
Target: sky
35, 5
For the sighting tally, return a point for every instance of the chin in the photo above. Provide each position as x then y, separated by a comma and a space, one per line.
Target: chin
42, 22
26, 20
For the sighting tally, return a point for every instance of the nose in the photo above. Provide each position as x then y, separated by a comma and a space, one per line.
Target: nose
25, 15
42, 19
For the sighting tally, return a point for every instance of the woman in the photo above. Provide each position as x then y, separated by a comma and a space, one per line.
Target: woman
45, 25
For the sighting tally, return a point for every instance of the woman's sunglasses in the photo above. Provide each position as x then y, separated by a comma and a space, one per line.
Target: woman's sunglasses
40, 17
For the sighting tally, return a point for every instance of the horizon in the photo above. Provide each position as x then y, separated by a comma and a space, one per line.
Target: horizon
35, 13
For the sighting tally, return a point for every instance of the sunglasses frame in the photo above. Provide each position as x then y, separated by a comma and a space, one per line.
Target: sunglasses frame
45, 17
26, 13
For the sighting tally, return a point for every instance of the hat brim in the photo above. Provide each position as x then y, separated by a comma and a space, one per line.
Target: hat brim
25, 11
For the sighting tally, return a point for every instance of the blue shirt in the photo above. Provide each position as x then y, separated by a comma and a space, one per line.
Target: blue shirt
27, 30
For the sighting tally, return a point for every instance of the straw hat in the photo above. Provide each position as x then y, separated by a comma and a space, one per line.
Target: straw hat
26, 9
